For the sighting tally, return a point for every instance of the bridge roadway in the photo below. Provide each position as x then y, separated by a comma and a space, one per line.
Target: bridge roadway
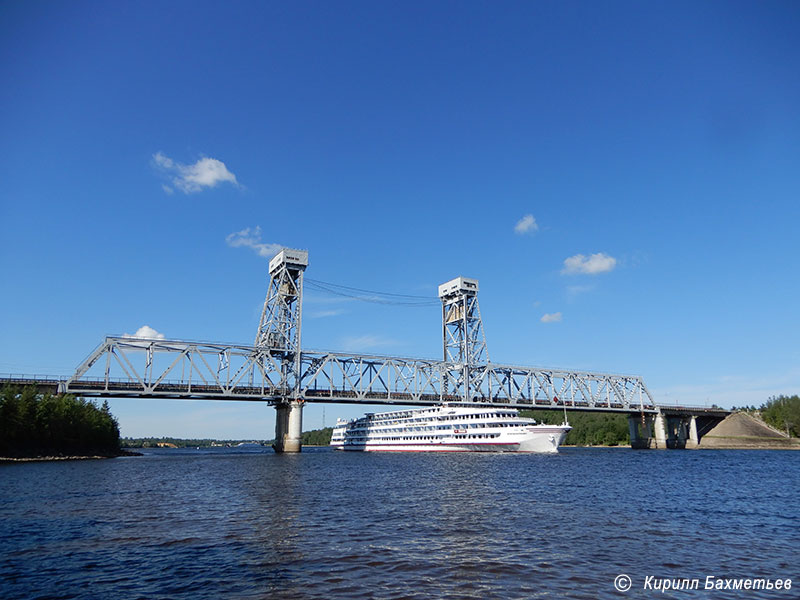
124, 367
186, 391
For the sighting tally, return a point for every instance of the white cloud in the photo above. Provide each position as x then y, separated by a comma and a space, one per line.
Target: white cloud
146, 332
591, 265
551, 317
251, 238
205, 173
526, 224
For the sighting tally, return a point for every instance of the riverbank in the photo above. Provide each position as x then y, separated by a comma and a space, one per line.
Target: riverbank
20, 459
742, 431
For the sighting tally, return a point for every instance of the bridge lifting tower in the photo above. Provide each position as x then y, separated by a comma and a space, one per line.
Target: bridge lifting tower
279, 335
463, 341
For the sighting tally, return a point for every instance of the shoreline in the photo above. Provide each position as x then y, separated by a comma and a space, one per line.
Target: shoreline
51, 458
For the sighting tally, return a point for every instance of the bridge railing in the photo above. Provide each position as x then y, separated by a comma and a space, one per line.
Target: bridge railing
21, 379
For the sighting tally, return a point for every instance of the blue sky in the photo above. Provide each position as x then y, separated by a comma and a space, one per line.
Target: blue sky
622, 178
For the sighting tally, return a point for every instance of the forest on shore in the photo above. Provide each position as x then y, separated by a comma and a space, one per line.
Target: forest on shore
781, 412
35, 425
588, 428
317, 437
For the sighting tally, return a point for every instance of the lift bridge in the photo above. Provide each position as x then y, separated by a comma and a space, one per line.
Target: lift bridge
275, 369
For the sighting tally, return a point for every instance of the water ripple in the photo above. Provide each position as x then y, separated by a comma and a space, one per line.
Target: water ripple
255, 525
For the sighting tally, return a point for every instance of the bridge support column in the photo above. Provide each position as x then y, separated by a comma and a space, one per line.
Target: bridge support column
681, 430
694, 439
639, 431
660, 426
288, 426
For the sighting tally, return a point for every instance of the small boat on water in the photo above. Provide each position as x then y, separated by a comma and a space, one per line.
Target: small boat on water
450, 427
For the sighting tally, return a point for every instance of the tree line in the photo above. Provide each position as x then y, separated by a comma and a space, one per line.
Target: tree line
588, 428
154, 442
317, 437
782, 412
33, 424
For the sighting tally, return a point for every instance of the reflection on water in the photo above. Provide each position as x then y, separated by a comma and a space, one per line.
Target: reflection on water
235, 523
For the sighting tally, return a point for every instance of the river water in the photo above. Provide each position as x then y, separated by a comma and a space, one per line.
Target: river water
250, 524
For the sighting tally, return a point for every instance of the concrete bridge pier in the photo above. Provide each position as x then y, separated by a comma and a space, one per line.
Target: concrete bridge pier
694, 438
682, 432
653, 431
676, 431
660, 431
672, 428
639, 428
288, 426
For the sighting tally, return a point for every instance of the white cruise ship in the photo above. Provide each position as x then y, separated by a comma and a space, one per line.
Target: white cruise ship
448, 428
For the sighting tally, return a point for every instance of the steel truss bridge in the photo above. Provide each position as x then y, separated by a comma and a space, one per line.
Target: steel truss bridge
276, 369
171, 369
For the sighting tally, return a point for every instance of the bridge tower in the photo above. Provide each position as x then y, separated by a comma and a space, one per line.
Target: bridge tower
463, 341
279, 335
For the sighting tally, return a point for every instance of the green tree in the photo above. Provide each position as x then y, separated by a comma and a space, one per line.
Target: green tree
588, 428
317, 437
33, 424
783, 412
